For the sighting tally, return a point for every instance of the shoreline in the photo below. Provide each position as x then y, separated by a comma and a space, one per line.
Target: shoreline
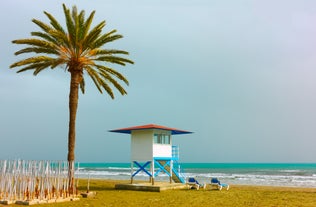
109, 184
116, 181
238, 185
281, 174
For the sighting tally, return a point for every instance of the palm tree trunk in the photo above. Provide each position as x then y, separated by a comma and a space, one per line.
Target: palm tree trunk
73, 105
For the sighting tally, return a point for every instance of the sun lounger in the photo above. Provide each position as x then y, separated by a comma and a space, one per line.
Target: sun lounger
215, 183
193, 183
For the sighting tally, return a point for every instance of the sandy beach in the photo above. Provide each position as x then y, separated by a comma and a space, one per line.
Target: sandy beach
238, 195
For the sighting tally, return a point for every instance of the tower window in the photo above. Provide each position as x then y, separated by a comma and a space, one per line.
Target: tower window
161, 139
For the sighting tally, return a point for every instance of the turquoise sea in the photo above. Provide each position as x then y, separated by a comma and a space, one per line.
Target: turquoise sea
272, 174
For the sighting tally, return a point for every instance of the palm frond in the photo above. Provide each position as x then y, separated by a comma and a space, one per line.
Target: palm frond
74, 13
35, 66
106, 76
75, 20
61, 38
107, 88
114, 59
37, 59
44, 36
112, 72
94, 76
35, 42
109, 52
70, 26
45, 27
92, 36
37, 50
58, 61
100, 82
82, 85
106, 39
77, 47
39, 68
54, 22
86, 25
81, 26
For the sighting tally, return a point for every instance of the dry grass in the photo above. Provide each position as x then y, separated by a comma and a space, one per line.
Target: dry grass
237, 196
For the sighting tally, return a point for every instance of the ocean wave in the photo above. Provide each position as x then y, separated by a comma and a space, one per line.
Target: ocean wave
119, 168
102, 173
104, 169
247, 179
274, 180
275, 176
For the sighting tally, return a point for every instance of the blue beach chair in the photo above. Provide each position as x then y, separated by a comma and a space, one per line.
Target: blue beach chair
194, 184
215, 183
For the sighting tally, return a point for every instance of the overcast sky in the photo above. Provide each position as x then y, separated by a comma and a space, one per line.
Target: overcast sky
240, 74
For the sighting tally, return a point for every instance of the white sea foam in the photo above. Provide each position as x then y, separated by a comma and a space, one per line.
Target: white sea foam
255, 179
119, 168
274, 177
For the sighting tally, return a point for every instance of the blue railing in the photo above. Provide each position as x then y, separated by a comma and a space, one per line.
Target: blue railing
175, 152
179, 171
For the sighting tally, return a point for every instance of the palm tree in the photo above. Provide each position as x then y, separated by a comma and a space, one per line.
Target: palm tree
78, 50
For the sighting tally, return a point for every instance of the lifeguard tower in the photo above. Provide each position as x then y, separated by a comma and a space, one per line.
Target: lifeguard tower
152, 151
